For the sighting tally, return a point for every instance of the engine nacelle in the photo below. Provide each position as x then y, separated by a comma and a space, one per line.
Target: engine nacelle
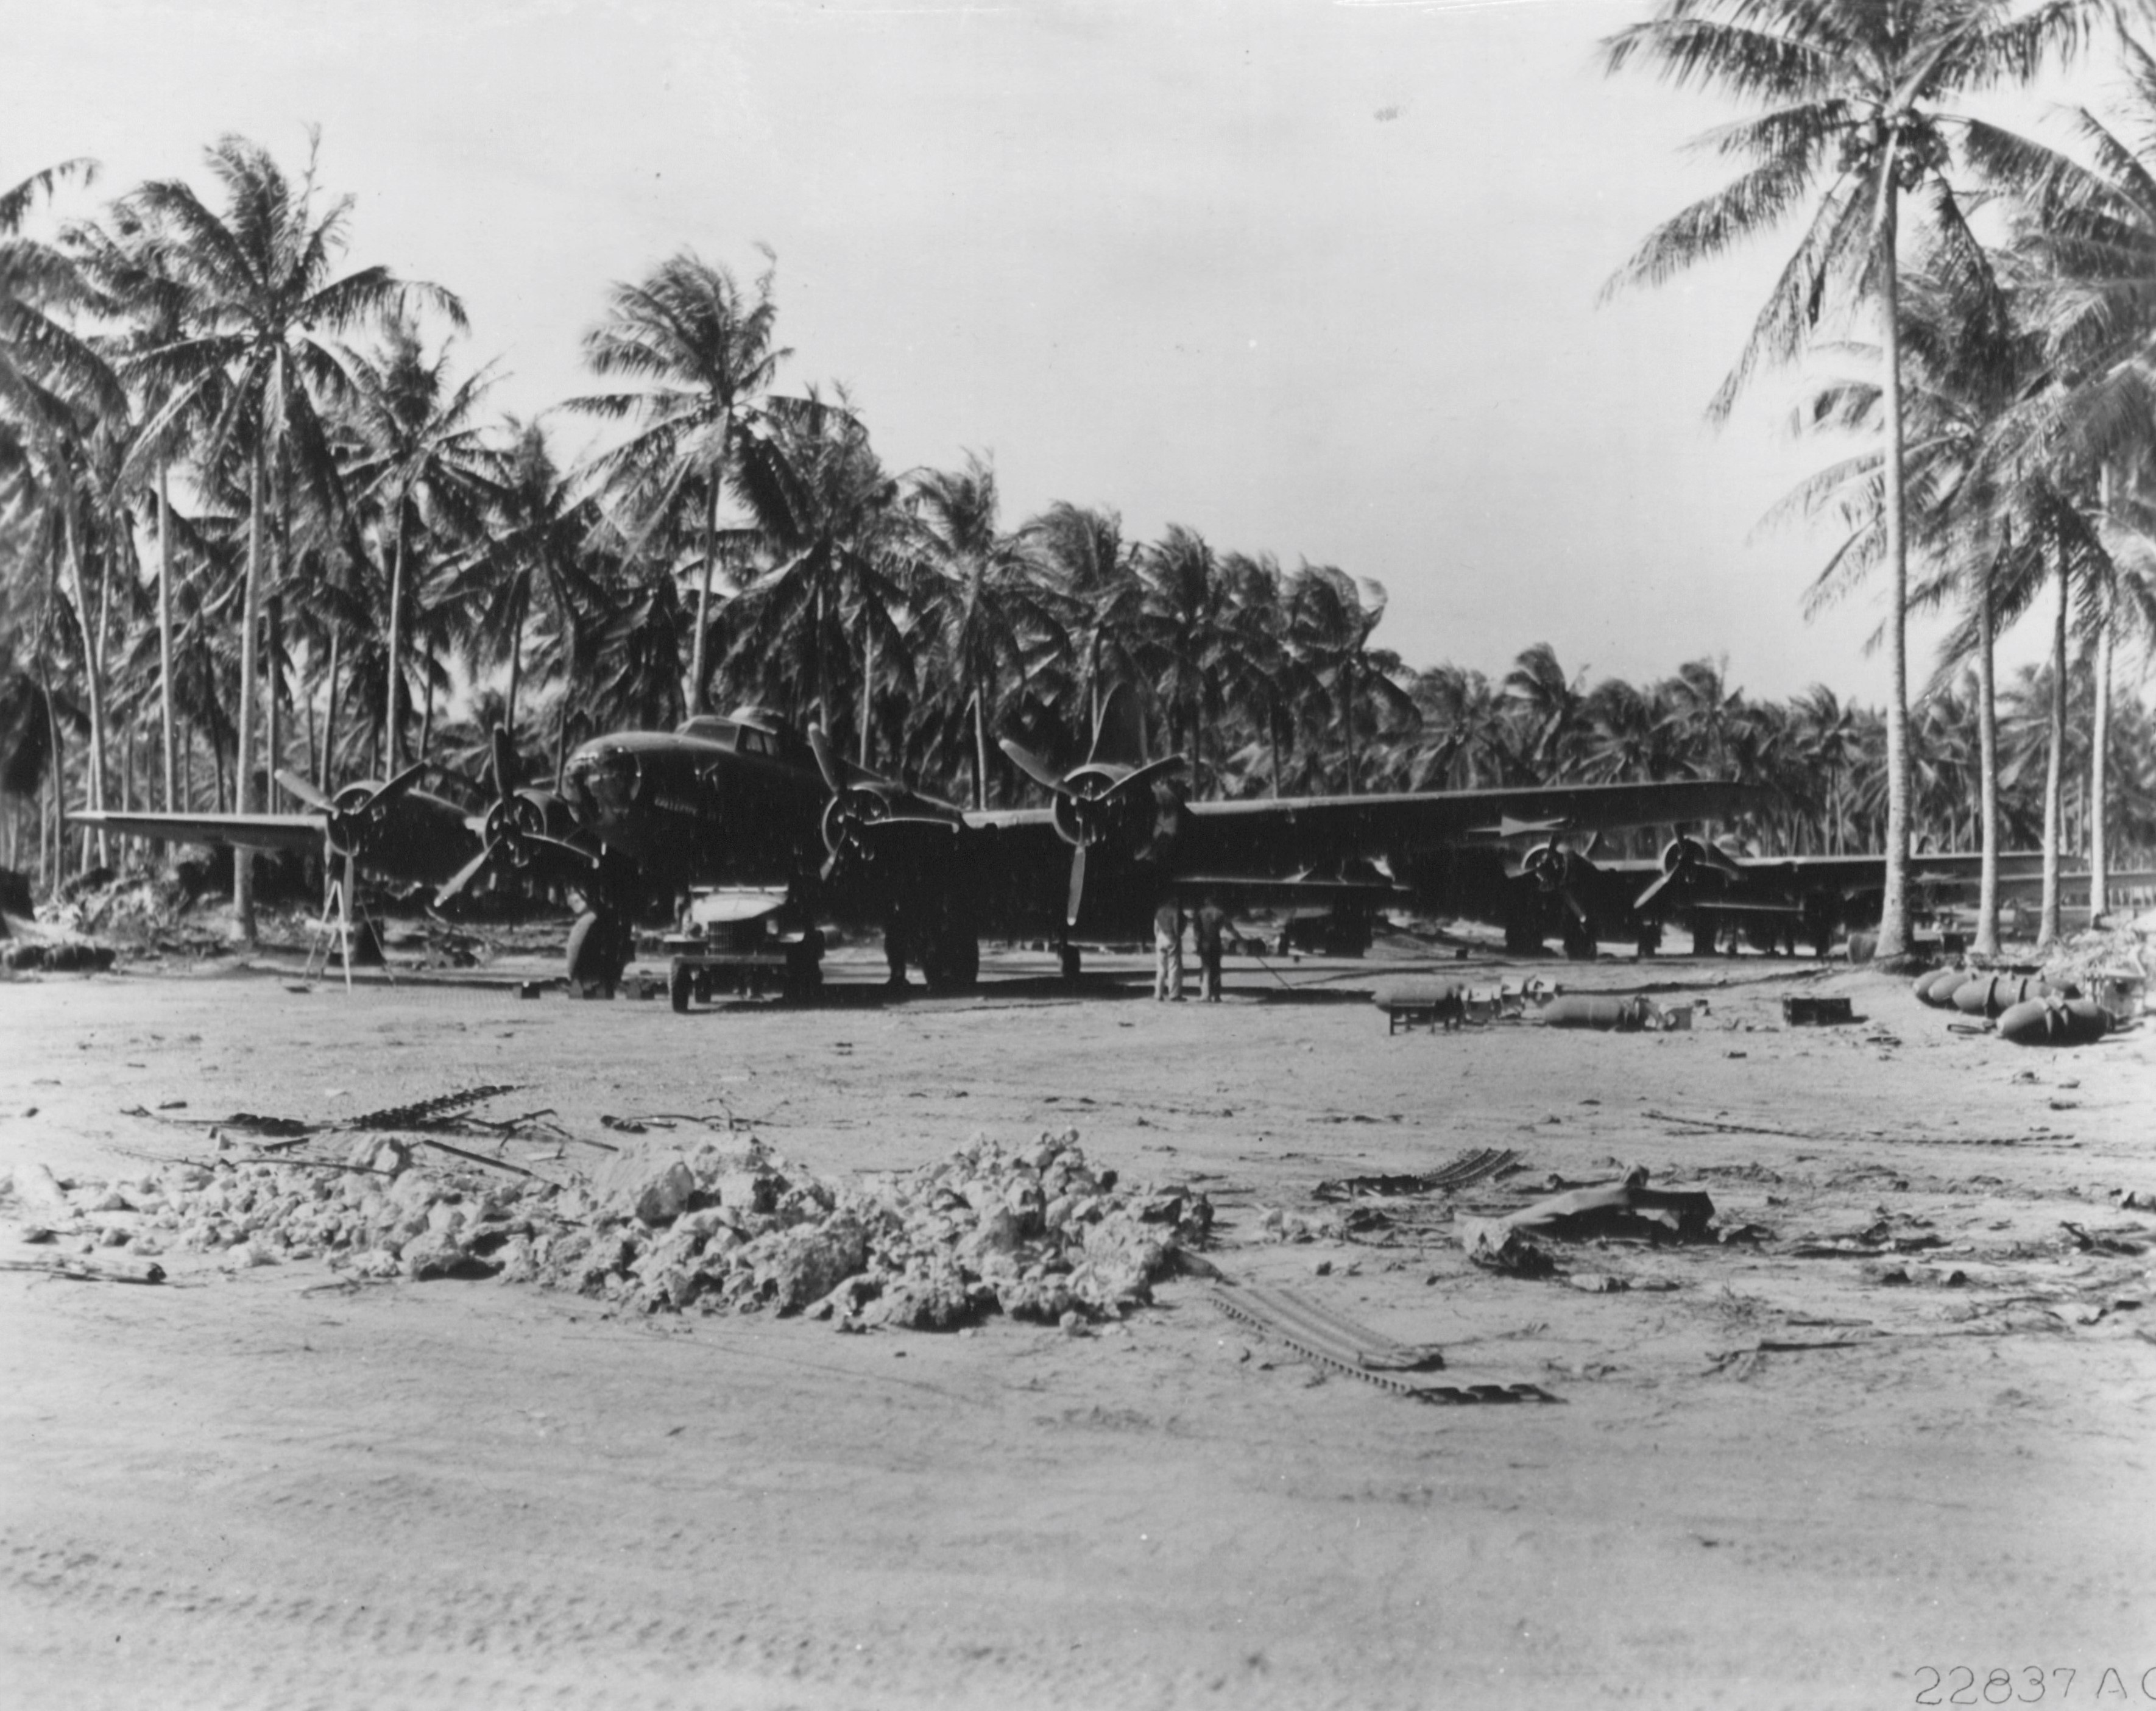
1097, 811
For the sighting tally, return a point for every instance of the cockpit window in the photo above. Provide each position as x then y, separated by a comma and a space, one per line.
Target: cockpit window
749, 742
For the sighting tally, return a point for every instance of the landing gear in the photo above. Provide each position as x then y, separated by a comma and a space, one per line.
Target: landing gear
1819, 922
1703, 936
942, 935
600, 948
1071, 961
951, 961
1648, 938
1579, 943
804, 966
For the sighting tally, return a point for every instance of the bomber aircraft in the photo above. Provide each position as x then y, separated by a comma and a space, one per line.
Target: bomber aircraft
1770, 900
761, 825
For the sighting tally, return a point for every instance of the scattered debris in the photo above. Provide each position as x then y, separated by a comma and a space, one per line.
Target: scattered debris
1334, 1342
1814, 1010
1468, 1168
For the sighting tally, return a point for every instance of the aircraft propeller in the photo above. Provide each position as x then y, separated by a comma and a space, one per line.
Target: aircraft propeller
1556, 866
1093, 804
515, 827
1687, 860
861, 797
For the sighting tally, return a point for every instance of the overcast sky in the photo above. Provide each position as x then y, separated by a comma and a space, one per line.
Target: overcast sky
1319, 279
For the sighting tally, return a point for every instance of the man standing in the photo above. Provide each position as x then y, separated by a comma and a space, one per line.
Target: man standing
1210, 924
1167, 952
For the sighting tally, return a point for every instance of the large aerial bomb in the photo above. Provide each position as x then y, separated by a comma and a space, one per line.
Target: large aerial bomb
2054, 1021
1588, 1009
1937, 987
1991, 995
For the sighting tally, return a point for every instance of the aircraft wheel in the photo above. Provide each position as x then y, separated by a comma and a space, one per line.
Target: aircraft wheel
1650, 939
1071, 962
952, 962
1579, 943
681, 984
1702, 938
803, 971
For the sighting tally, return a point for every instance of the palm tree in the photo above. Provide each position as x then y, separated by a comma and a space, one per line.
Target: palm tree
837, 538
1189, 646
531, 551
1553, 702
1855, 119
1079, 554
421, 457
702, 350
987, 615
2096, 226
264, 308
1329, 622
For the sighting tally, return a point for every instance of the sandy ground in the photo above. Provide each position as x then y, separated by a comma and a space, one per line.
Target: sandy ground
265, 1489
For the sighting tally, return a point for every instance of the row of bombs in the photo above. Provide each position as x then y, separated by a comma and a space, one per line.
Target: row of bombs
2027, 1009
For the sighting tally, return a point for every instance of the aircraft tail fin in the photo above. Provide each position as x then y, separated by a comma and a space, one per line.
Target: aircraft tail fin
1119, 735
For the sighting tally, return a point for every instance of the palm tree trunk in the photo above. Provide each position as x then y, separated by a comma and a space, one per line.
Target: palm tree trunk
2099, 859
273, 680
1348, 719
868, 682
165, 635
1987, 737
250, 623
2047, 925
980, 752
323, 764
427, 687
704, 594
515, 660
1894, 902
93, 677
391, 749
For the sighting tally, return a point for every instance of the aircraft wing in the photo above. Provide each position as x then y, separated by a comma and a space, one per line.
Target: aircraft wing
1316, 830
253, 831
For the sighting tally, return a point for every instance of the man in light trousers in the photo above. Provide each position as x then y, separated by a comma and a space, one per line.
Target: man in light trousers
1167, 952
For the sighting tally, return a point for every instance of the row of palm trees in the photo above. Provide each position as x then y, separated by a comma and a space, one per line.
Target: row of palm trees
252, 518
2006, 386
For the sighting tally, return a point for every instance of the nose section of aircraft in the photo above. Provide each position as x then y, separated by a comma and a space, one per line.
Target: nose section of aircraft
600, 783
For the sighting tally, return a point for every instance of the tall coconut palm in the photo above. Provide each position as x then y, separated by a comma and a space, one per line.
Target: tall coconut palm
2096, 224
1081, 556
265, 308
530, 555
701, 349
981, 604
836, 538
422, 459
1854, 117
1330, 619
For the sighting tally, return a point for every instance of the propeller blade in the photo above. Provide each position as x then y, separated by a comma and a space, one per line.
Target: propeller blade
1662, 881
304, 790
399, 784
1572, 902
504, 753
1034, 768
1147, 773
1077, 887
827, 761
455, 883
